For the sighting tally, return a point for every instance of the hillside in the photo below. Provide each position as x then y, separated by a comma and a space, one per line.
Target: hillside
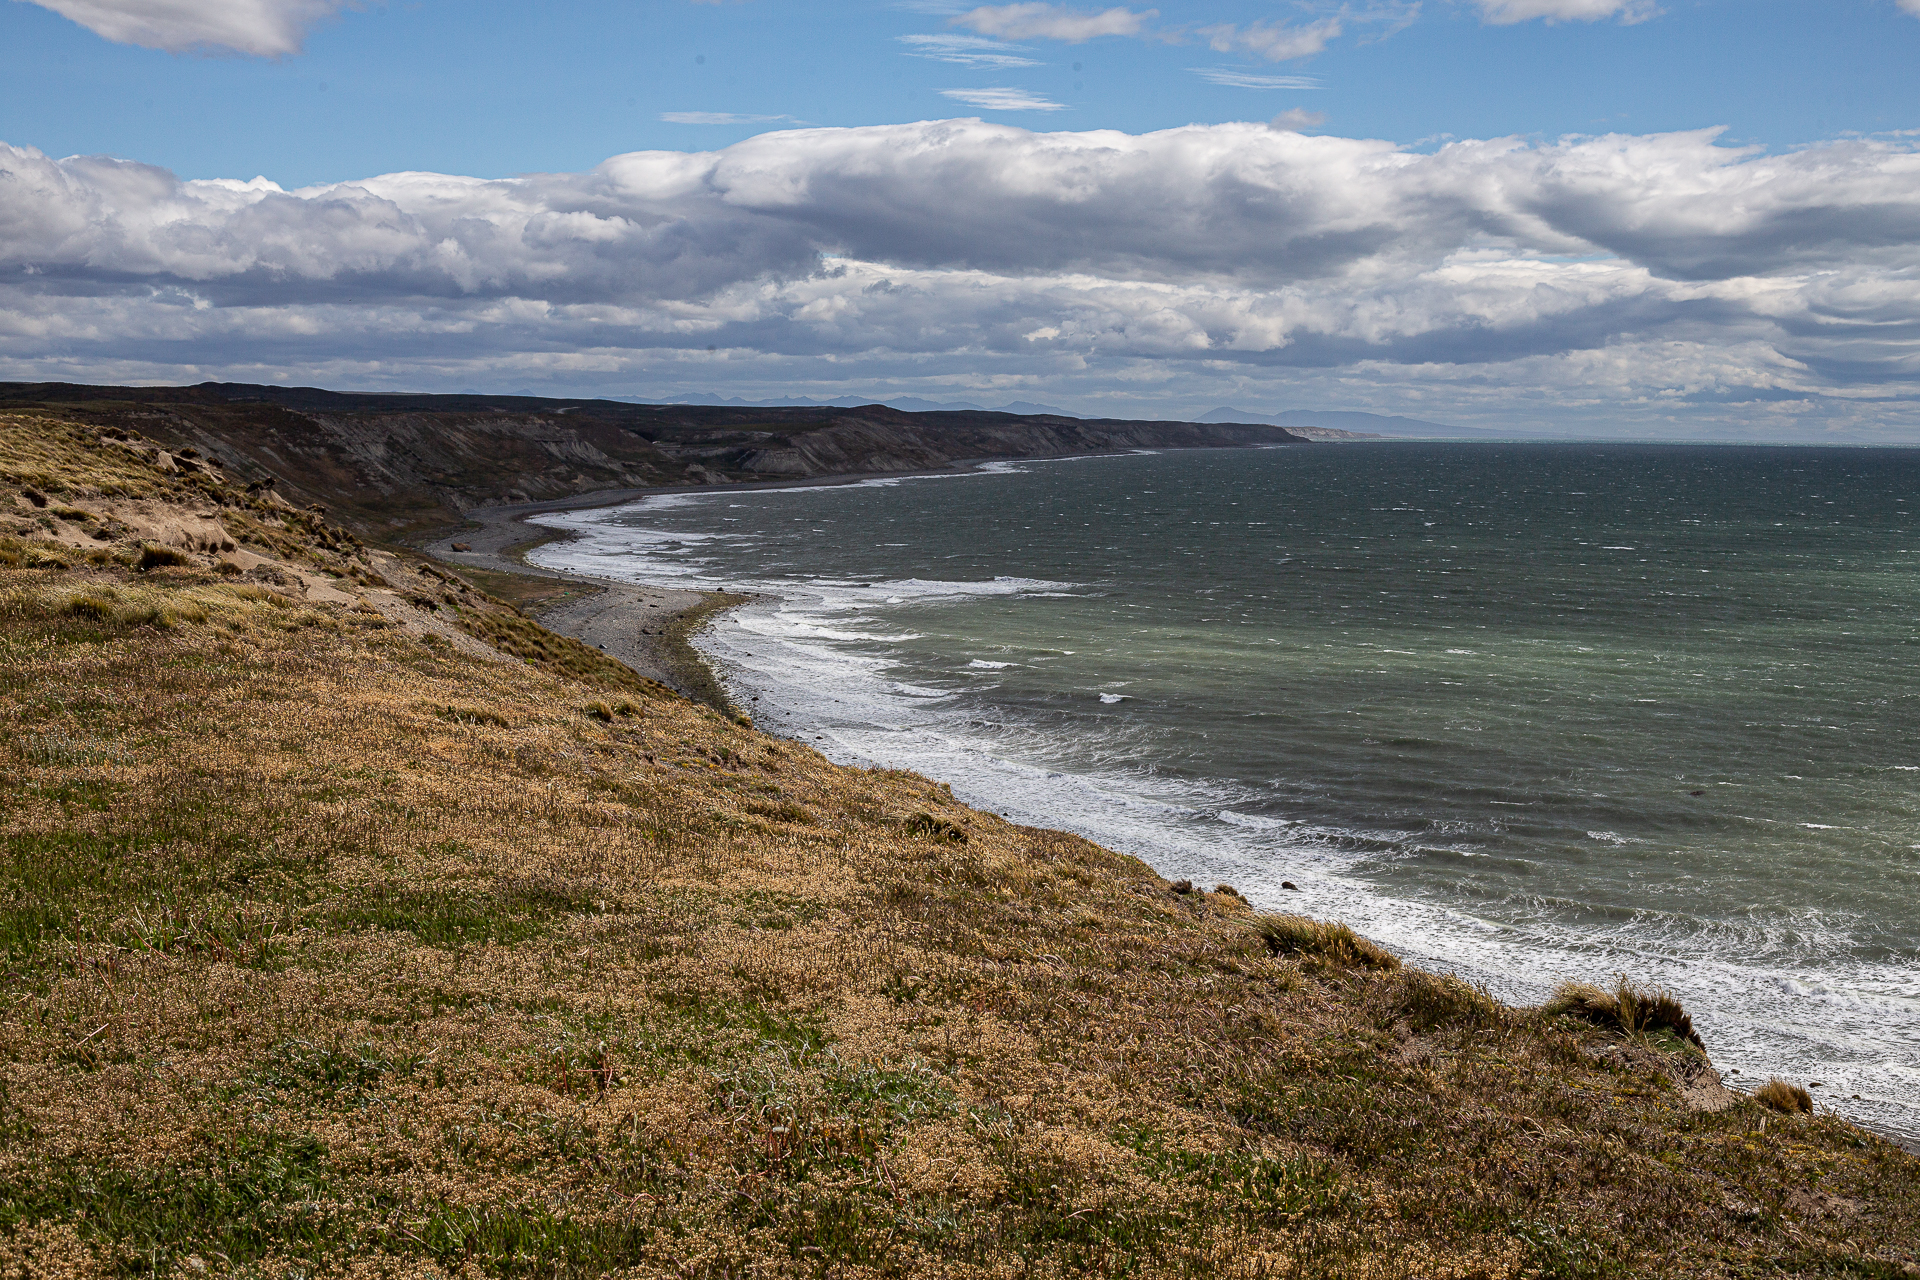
355, 925
387, 463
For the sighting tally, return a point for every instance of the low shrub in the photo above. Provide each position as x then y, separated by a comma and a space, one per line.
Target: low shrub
1323, 940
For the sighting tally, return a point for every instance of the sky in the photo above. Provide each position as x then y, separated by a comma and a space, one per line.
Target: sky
1648, 218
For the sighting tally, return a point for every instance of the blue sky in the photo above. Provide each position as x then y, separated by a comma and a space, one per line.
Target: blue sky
1704, 219
496, 88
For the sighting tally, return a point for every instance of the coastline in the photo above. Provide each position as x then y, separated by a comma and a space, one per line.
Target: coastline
511, 516
648, 629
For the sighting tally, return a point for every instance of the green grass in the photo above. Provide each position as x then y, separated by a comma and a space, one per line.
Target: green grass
505, 914
250, 1195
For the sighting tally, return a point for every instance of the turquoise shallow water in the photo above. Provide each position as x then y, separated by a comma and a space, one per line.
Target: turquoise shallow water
1524, 711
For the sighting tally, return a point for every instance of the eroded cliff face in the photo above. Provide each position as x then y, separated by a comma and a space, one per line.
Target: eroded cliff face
387, 463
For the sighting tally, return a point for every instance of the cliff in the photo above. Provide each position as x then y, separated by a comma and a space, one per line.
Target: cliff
390, 462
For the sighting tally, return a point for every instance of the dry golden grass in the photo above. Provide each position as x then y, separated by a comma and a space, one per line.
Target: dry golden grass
1629, 1009
333, 949
1783, 1096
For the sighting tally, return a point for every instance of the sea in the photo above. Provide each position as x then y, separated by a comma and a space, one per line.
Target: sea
1522, 712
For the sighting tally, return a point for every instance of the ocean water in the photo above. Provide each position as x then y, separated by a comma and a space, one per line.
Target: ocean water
1522, 712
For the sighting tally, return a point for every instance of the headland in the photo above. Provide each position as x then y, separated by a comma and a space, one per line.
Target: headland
358, 924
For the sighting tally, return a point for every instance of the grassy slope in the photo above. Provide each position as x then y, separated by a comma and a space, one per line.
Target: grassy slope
332, 948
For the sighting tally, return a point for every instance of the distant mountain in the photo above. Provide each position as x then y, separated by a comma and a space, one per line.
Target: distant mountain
1346, 420
1226, 414
1028, 406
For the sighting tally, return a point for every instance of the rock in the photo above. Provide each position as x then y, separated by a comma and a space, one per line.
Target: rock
1288, 884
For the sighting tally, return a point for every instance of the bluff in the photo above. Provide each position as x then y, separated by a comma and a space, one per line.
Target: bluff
387, 462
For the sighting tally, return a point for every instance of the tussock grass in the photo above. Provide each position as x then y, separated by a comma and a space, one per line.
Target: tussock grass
306, 977
1628, 1009
1321, 940
153, 556
1782, 1096
1430, 1000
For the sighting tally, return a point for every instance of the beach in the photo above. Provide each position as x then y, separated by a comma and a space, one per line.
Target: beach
631, 623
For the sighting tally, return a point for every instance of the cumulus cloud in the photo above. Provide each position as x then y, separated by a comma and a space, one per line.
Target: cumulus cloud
1053, 22
266, 28
1507, 12
1002, 99
1911, 6
966, 51
1276, 42
1655, 271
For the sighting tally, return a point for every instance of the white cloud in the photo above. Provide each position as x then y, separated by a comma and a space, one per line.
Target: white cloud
267, 28
967, 51
1911, 6
1275, 42
1002, 99
716, 117
1621, 274
1508, 12
1053, 22
1247, 80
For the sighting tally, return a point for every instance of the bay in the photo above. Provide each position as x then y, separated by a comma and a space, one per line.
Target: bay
1521, 711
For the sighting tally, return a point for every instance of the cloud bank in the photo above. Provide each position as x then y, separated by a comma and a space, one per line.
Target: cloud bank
266, 28
1201, 265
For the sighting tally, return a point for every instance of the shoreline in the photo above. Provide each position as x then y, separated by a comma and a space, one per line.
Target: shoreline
511, 518
649, 629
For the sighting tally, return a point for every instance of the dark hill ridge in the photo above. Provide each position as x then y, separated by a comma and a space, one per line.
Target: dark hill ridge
387, 462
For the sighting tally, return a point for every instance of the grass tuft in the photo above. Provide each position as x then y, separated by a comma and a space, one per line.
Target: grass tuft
1336, 944
458, 714
1784, 1097
1429, 1000
1628, 1009
155, 556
